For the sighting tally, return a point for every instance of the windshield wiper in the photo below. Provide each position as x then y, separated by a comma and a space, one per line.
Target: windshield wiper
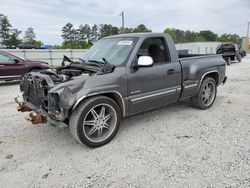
82, 60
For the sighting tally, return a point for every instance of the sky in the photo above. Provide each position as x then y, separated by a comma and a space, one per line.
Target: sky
47, 17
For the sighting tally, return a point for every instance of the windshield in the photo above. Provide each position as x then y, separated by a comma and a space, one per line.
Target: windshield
113, 50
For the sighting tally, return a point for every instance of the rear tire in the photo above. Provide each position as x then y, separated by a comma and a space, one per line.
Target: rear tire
228, 61
239, 58
206, 95
95, 121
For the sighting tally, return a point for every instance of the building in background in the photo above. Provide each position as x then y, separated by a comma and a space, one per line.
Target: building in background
246, 44
198, 47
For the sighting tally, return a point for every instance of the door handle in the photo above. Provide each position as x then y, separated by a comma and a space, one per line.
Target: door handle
171, 71
1, 65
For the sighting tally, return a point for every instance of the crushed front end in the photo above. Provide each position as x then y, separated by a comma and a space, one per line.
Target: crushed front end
35, 89
52, 93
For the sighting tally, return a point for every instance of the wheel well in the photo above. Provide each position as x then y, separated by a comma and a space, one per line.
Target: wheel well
213, 75
34, 68
117, 99
114, 96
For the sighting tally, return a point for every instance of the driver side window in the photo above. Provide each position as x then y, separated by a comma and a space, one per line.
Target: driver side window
155, 48
5, 58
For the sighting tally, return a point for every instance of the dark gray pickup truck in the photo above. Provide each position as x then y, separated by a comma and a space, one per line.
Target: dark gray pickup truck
117, 77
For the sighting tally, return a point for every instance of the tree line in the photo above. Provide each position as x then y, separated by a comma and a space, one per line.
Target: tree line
181, 36
85, 35
10, 36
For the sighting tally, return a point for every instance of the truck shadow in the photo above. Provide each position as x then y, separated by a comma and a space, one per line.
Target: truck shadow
235, 62
130, 124
155, 114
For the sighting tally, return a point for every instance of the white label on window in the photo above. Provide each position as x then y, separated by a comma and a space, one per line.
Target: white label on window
125, 42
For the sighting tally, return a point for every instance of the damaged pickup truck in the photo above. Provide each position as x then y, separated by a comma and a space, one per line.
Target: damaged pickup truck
117, 77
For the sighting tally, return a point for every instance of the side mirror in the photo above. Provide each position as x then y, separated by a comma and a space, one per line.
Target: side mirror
145, 61
16, 60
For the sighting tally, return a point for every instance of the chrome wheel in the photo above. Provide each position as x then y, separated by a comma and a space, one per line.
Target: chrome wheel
99, 122
208, 93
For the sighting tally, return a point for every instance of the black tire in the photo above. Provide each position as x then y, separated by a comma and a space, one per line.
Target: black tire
228, 61
239, 58
198, 100
84, 110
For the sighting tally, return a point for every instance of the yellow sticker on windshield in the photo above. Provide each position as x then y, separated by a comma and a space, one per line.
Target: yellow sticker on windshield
125, 42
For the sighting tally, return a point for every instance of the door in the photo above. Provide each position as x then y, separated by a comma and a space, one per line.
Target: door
9, 68
160, 84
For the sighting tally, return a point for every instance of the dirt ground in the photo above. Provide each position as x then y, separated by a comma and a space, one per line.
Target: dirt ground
175, 146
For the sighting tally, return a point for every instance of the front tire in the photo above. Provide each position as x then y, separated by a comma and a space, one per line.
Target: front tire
95, 121
206, 95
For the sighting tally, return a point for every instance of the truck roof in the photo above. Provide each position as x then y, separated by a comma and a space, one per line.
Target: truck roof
147, 34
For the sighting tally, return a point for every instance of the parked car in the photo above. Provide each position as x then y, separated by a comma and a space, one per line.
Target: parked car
120, 76
13, 67
2, 46
46, 46
27, 46
229, 52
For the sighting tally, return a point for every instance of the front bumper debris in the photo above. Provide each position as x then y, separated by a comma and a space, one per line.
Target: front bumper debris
21, 106
36, 119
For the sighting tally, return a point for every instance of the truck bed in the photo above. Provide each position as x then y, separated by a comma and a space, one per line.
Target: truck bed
195, 66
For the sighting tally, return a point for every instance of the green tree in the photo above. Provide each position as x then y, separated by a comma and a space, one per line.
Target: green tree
208, 35
127, 30
29, 35
180, 35
57, 46
74, 45
5, 28
200, 39
171, 33
94, 35
190, 36
84, 33
14, 39
141, 29
230, 38
67, 32
9, 36
37, 43
107, 30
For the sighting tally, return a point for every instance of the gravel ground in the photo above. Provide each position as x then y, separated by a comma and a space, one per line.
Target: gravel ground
175, 146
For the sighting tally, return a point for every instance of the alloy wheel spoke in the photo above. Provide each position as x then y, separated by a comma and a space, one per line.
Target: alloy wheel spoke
92, 130
209, 88
95, 115
99, 132
102, 113
107, 117
90, 122
206, 101
105, 125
